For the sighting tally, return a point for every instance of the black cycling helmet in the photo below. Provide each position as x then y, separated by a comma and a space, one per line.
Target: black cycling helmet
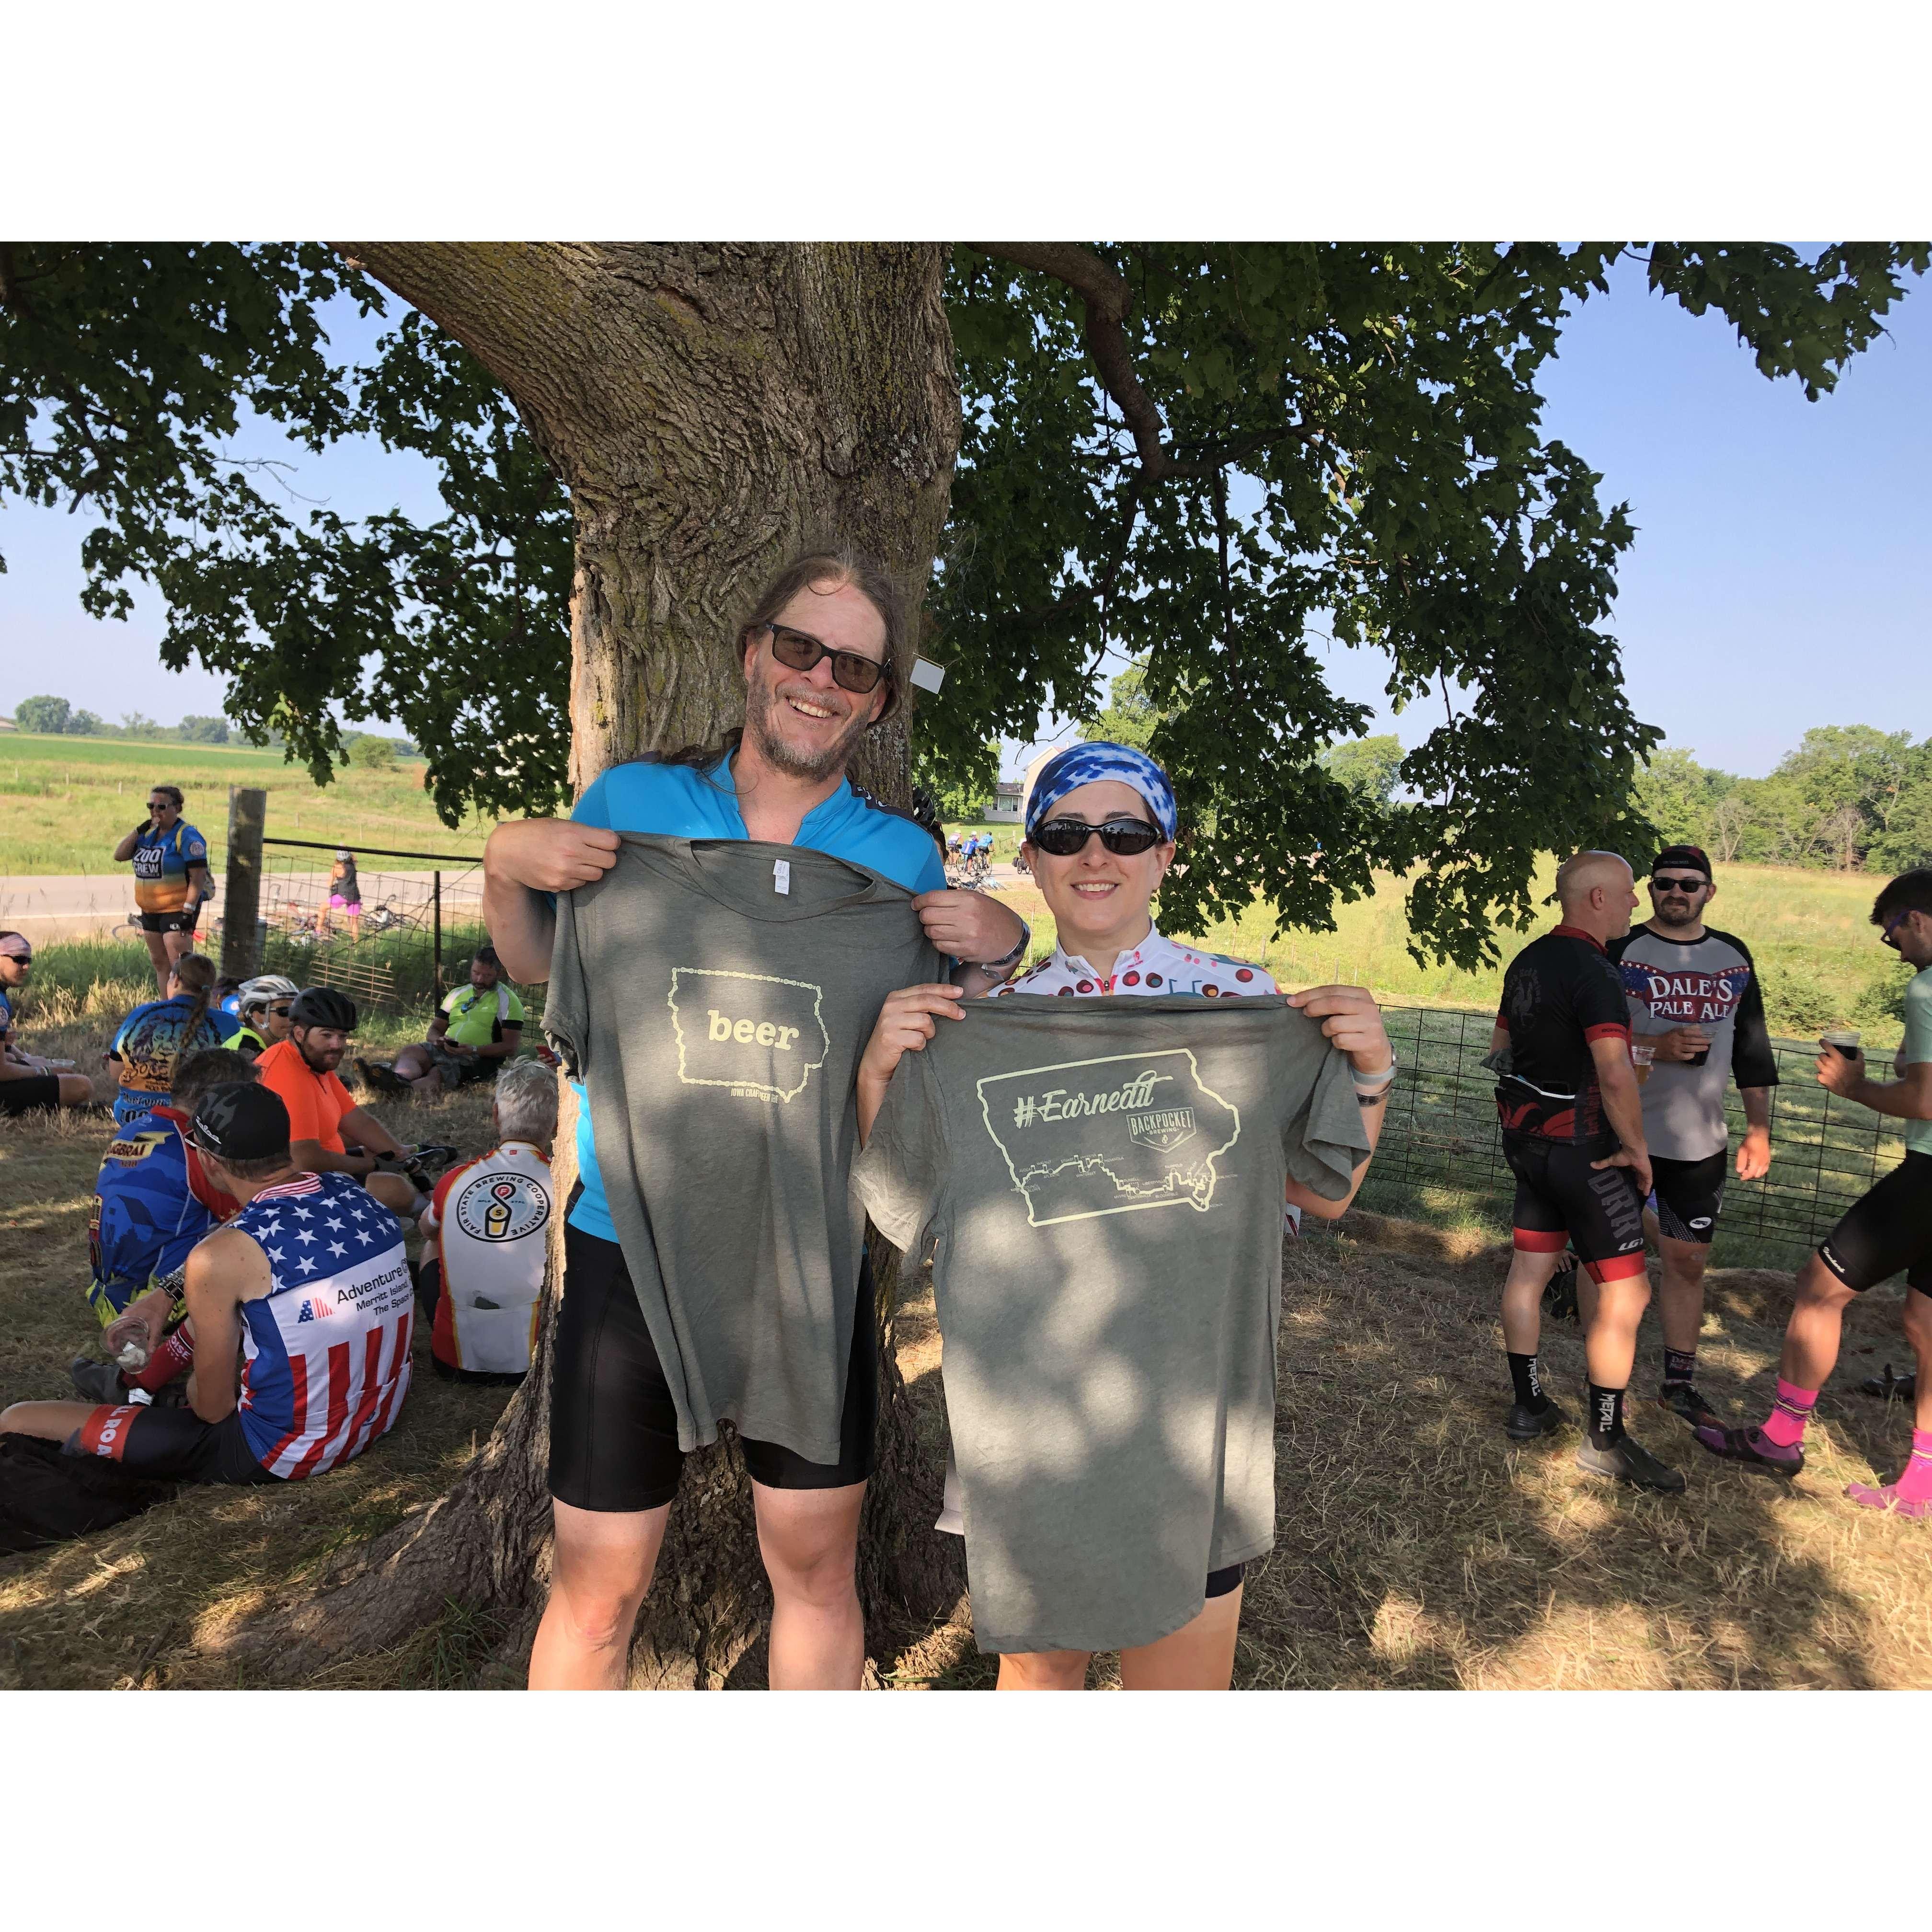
323, 1006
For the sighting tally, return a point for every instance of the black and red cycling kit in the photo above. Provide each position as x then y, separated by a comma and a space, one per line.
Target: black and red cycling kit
1560, 995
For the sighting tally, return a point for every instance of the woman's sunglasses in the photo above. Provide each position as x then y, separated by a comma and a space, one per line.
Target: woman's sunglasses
849, 670
1123, 837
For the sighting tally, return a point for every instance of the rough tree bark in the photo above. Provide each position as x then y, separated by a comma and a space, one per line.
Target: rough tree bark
712, 409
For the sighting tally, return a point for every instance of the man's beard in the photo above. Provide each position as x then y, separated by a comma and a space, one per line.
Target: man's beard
1673, 920
319, 1062
761, 706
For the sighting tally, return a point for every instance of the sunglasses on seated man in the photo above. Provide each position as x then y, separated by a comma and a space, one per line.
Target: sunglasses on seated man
1123, 837
850, 670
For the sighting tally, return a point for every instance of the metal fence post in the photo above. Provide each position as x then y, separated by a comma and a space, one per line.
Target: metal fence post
435, 895
240, 952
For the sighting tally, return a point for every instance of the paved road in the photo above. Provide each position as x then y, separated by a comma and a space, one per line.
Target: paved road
50, 907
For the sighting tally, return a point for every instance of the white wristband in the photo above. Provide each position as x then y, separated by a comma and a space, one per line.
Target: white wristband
1368, 1085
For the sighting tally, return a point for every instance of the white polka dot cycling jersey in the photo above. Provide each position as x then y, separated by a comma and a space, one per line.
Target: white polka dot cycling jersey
1158, 965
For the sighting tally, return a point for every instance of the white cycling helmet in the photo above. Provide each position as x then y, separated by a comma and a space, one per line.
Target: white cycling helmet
260, 990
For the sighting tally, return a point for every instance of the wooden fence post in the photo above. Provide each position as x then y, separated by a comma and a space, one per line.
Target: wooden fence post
247, 810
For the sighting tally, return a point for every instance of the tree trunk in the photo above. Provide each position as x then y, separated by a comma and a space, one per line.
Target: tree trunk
712, 409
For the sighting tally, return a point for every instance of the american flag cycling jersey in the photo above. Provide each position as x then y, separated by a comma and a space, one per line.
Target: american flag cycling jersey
1158, 965
327, 1350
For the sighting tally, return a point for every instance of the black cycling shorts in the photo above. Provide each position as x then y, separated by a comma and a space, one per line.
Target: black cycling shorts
24, 1097
1890, 1228
1224, 1582
1560, 1198
1688, 1194
169, 922
613, 1424
169, 1445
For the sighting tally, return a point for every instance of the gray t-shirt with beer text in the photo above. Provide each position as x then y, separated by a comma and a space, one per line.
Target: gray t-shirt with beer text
714, 996
1103, 1180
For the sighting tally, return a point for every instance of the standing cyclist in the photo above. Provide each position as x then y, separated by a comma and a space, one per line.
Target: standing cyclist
171, 878
1695, 1000
1573, 1135
817, 655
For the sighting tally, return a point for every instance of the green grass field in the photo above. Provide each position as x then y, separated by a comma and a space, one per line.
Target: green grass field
66, 803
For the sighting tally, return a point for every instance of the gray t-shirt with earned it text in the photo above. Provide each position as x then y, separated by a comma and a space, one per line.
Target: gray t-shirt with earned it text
1103, 1181
714, 996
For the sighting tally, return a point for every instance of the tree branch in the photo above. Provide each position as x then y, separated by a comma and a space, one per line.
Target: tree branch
1107, 300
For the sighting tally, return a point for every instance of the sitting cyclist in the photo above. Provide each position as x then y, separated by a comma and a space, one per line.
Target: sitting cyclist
478, 1028
262, 1005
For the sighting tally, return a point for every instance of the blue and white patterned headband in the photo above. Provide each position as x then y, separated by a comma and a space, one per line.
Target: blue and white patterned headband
1088, 763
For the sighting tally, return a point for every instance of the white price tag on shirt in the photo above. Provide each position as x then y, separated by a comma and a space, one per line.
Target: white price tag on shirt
781, 875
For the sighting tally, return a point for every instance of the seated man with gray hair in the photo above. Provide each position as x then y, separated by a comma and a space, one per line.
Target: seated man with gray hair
487, 1228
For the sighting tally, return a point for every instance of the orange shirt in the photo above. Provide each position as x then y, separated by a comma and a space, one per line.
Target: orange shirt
316, 1102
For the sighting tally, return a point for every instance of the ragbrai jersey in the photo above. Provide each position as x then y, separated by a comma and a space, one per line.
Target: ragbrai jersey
477, 1018
1917, 1046
326, 1352
161, 862
1158, 966
681, 802
153, 1201
1560, 993
150, 1042
491, 1216
1708, 982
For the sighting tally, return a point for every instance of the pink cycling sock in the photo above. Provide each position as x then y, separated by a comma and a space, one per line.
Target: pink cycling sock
1785, 1425
1912, 1494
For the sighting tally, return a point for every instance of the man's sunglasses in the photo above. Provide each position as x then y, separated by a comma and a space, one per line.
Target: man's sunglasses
1123, 837
1891, 927
1695, 882
849, 670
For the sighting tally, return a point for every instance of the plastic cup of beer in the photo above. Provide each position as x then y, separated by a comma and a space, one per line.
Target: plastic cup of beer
1643, 1057
1842, 1041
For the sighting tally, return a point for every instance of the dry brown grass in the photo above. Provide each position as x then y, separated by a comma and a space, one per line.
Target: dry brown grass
1417, 1548
147, 1603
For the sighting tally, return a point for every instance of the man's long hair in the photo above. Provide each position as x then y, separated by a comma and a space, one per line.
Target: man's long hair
833, 565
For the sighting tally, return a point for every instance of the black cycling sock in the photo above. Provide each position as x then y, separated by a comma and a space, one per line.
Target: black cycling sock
1528, 1386
1680, 1365
1606, 1417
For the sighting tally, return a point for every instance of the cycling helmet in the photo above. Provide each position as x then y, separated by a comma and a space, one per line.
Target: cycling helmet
323, 1006
263, 989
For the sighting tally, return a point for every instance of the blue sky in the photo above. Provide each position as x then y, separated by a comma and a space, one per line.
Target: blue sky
1780, 577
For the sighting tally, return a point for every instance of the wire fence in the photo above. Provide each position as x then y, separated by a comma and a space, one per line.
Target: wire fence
405, 939
1441, 1152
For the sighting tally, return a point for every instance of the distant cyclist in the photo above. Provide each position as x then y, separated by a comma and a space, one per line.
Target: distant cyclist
1573, 1135
473, 1034
1695, 1001
300, 1313
171, 882
156, 1037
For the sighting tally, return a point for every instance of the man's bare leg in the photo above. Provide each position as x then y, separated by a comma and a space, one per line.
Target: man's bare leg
602, 1565
1532, 1413
809, 1539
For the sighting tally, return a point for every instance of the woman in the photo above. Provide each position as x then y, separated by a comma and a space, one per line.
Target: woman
172, 882
157, 1035
1100, 831
345, 894
262, 1005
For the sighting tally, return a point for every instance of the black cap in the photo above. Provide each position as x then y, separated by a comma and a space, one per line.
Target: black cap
240, 1121
1693, 857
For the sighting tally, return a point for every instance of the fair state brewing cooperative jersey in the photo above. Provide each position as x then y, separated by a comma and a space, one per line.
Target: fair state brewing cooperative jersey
1709, 983
1103, 1178
714, 996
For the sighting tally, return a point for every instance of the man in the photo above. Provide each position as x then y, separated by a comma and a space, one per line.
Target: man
300, 1315
324, 1116
1573, 1135
153, 1200
26, 1082
1695, 1001
1890, 1229
477, 1030
171, 878
819, 657
487, 1226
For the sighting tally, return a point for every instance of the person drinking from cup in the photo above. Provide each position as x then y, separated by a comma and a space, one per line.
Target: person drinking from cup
1888, 1229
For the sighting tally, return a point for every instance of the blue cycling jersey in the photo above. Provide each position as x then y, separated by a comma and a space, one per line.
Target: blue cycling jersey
681, 802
